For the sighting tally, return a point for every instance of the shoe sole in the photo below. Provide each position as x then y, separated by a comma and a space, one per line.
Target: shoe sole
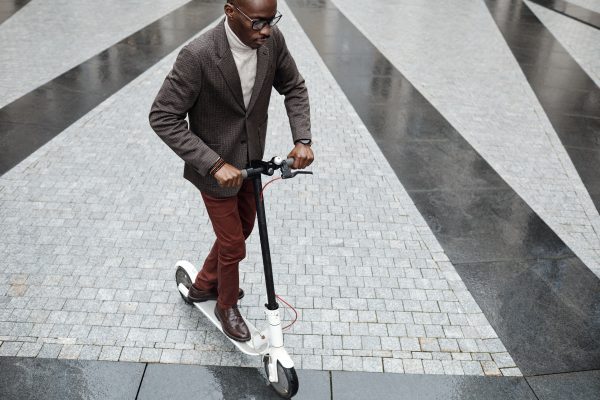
227, 334
213, 298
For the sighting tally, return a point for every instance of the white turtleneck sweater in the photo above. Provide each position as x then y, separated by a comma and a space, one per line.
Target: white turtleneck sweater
245, 61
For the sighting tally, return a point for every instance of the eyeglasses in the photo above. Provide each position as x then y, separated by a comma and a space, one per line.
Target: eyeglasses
258, 24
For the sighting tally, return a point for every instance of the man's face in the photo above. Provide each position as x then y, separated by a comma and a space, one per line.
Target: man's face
241, 24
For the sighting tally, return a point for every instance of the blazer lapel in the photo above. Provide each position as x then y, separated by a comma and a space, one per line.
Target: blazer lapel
227, 65
263, 58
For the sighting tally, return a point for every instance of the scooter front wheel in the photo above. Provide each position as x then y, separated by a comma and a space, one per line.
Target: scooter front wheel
182, 276
287, 380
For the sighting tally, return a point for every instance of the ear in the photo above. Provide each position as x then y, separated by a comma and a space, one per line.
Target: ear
229, 10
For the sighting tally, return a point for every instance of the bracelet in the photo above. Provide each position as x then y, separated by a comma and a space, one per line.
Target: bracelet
217, 166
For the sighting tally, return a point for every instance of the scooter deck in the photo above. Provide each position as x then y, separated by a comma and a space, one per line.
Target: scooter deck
252, 347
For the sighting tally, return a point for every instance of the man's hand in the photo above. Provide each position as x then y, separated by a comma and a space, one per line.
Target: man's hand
229, 176
303, 156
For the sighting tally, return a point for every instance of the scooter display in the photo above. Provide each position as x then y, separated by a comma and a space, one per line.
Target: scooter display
267, 342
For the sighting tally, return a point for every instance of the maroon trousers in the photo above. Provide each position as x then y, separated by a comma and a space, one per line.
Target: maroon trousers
232, 219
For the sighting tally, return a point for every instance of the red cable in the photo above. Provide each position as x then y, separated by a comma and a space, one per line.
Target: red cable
293, 309
267, 184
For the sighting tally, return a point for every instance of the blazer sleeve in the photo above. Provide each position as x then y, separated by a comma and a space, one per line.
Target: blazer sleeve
289, 83
167, 115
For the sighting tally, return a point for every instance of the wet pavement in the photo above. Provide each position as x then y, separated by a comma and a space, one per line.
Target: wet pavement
27, 378
66, 380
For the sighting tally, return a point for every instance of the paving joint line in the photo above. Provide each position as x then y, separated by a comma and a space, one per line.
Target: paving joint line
531, 388
562, 373
514, 260
141, 381
330, 385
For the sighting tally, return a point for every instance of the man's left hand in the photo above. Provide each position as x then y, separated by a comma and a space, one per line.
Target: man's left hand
303, 156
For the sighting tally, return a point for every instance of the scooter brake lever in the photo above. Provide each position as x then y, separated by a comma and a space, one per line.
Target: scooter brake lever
287, 173
301, 172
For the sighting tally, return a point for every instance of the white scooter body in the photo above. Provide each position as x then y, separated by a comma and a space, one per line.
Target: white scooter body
267, 342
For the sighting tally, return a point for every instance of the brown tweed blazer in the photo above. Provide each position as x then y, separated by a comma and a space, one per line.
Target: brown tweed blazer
205, 86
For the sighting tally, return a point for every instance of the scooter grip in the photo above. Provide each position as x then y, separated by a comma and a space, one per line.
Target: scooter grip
290, 161
251, 172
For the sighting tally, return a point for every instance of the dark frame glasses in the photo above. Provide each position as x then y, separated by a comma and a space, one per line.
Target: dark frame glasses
258, 24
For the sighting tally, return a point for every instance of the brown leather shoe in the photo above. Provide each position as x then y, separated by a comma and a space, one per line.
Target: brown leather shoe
232, 323
198, 296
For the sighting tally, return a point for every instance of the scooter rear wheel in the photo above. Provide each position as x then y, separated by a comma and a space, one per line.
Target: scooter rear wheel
287, 383
181, 276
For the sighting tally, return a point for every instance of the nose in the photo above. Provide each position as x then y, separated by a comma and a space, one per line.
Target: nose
266, 30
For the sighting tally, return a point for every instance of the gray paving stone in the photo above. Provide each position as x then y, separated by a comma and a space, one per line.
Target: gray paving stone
10, 348
110, 353
171, 356
131, 354
433, 367
50, 350
150, 355
473, 368
453, 367
29, 349
90, 352
350, 363
70, 351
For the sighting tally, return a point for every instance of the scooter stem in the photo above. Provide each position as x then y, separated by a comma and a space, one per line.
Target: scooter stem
264, 243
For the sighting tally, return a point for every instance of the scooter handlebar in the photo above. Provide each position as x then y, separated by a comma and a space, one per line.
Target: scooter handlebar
250, 171
253, 171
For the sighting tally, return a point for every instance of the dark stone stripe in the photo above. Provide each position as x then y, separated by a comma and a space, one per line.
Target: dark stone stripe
9, 7
32, 120
363, 385
42, 378
570, 98
583, 385
573, 11
493, 237
51, 379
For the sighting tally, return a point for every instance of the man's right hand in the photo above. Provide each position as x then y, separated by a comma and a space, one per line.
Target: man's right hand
229, 176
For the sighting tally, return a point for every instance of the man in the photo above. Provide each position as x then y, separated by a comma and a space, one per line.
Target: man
222, 81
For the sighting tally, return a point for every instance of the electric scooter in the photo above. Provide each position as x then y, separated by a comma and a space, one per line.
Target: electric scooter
268, 342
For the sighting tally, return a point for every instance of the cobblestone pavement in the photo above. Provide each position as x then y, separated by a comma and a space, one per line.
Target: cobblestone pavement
580, 40
478, 86
92, 223
48, 37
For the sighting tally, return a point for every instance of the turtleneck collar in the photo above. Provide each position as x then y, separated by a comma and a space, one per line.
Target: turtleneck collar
234, 41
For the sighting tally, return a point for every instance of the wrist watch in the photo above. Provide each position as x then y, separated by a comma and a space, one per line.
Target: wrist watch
306, 142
